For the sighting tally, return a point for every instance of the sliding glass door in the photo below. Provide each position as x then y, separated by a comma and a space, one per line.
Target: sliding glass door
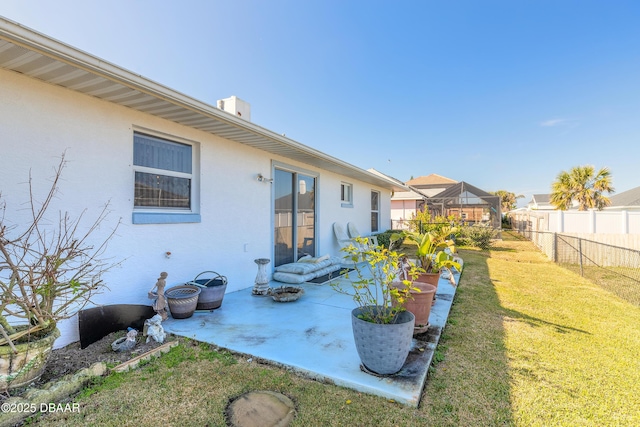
294, 216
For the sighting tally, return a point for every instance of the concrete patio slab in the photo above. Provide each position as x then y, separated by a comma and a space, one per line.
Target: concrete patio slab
313, 337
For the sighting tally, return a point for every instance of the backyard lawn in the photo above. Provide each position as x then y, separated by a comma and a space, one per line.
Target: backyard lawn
527, 344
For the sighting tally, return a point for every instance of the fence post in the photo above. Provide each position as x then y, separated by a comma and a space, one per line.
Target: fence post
625, 221
555, 247
580, 255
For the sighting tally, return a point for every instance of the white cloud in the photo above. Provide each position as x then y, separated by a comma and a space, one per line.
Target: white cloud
554, 122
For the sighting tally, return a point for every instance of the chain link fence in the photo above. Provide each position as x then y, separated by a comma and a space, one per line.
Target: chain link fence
614, 268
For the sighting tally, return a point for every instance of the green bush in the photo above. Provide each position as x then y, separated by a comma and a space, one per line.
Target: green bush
422, 222
478, 236
385, 238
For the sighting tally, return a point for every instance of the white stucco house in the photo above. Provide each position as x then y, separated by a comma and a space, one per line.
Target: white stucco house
202, 183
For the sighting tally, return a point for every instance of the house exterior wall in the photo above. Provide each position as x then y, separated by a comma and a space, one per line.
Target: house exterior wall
331, 210
41, 121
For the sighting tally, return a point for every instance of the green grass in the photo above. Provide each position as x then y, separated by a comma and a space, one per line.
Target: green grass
527, 344
570, 345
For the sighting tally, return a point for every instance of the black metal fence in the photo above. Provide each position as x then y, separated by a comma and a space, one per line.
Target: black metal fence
614, 268
475, 235
416, 225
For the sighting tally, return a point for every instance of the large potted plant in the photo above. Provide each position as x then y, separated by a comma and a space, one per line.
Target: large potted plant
433, 252
382, 328
49, 269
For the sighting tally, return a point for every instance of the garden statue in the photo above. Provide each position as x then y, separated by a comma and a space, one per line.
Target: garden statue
153, 329
160, 302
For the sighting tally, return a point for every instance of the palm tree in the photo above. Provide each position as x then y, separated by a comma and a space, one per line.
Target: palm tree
508, 200
582, 185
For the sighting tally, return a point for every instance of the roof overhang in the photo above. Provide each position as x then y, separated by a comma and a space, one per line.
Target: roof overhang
36, 55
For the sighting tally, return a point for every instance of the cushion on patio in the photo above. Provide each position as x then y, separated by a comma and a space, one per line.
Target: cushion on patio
306, 266
300, 272
292, 277
309, 258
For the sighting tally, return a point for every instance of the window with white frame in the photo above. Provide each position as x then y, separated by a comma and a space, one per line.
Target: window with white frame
164, 177
375, 211
346, 194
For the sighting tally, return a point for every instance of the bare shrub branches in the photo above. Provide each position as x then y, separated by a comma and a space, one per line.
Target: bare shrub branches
49, 271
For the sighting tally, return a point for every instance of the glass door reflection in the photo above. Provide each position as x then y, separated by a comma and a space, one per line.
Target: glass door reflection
294, 235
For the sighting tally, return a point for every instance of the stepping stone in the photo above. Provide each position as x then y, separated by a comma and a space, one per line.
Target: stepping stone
261, 408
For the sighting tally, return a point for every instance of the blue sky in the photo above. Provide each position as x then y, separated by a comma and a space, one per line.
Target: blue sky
501, 94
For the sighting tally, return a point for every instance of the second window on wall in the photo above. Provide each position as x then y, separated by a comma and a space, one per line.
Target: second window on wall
346, 194
375, 211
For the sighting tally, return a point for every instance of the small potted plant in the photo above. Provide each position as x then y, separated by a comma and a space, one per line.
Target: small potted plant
422, 296
382, 328
47, 273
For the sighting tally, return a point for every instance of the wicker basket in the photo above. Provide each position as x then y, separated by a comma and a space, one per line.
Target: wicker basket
182, 300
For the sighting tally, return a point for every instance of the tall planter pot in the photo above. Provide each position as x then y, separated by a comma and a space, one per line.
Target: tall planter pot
432, 279
383, 348
27, 364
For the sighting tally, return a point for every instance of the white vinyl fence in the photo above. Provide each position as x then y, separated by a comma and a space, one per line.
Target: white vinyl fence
617, 228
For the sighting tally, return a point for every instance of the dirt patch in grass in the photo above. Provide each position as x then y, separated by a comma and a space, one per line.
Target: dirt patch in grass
70, 359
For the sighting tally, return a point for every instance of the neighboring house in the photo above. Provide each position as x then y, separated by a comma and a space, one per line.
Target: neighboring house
405, 204
540, 202
206, 185
627, 200
445, 196
469, 203
431, 185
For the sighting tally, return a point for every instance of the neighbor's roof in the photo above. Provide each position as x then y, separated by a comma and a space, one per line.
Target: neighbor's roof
467, 194
433, 179
461, 188
36, 55
541, 198
416, 193
626, 198
412, 194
